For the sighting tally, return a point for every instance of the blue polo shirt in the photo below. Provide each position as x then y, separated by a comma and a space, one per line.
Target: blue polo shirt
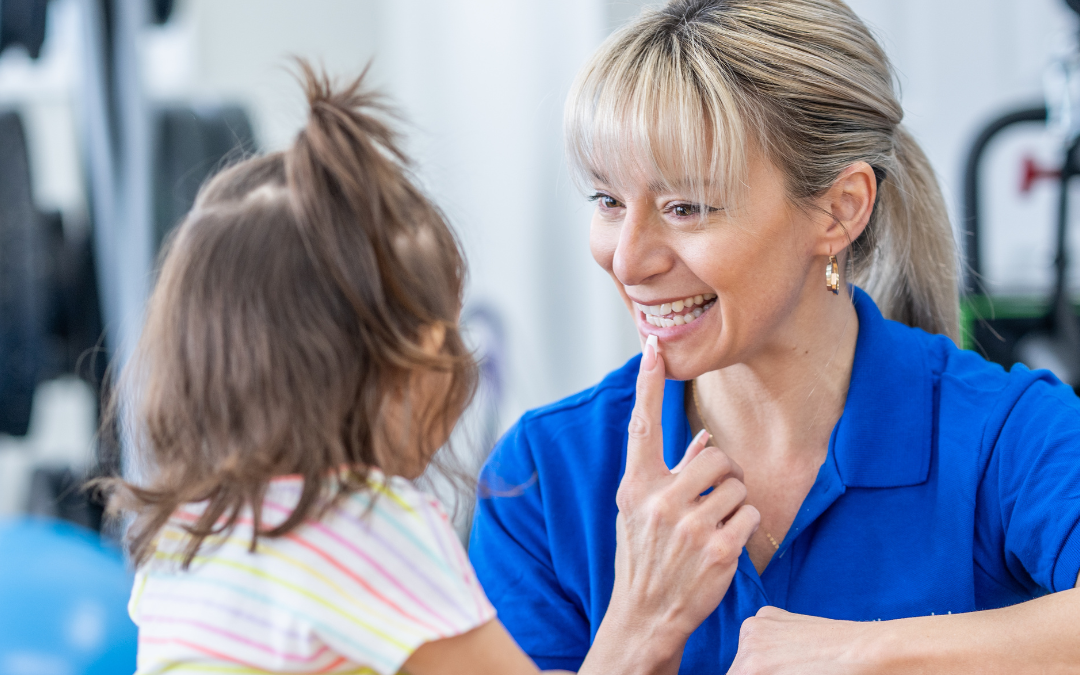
950, 485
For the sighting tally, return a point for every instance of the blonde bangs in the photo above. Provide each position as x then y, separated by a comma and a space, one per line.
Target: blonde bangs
648, 111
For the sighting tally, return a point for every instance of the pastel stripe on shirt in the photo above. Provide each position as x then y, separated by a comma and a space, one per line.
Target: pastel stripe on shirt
355, 592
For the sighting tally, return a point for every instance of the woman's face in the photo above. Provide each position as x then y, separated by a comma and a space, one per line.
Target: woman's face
744, 268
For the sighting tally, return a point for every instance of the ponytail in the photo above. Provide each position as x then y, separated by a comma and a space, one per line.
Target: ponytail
362, 215
906, 258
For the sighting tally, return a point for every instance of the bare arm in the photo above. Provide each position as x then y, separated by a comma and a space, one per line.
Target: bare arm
1038, 636
487, 650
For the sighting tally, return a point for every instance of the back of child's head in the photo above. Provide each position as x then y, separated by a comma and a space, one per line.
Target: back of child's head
295, 307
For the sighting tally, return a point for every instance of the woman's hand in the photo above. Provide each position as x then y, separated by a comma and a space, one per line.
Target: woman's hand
776, 642
677, 550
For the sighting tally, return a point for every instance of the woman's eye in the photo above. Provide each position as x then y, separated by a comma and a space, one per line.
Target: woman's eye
606, 201
690, 210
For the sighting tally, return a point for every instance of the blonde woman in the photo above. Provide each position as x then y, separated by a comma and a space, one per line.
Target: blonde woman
872, 498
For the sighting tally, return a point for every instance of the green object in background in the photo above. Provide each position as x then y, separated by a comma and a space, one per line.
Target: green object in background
994, 325
994, 309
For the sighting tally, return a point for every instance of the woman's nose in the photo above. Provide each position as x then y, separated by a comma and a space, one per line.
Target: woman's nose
640, 252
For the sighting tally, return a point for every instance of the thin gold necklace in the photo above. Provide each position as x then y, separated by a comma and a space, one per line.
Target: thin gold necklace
697, 407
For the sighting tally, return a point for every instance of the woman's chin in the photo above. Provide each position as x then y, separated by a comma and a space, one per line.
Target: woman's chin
677, 367
689, 350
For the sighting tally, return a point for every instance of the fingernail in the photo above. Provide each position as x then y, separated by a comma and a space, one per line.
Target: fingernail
702, 437
650, 352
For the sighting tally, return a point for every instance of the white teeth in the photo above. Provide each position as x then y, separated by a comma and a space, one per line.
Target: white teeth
655, 314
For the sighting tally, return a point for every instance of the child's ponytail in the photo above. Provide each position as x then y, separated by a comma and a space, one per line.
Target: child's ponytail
347, 162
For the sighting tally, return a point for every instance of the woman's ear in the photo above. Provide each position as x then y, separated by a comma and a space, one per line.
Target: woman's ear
850, 202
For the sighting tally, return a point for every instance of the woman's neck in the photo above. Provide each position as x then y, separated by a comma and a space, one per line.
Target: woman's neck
783, 401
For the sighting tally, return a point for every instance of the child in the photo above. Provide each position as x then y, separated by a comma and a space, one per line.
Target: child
300, 362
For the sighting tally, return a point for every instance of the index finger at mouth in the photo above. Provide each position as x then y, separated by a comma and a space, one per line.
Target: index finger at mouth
645, 448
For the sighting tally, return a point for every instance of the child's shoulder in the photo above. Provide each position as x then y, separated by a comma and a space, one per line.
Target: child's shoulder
372, 574
387, 509
396, 501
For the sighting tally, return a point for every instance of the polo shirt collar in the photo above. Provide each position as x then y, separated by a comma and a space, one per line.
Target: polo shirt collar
883, 438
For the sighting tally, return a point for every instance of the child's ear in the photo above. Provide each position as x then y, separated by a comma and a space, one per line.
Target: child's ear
432, 338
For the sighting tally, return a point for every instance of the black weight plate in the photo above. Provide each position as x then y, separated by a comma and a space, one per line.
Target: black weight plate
162, 10
22, 330
22, 22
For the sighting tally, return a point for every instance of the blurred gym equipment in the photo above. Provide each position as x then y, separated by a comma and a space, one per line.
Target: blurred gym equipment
22, 322
22, 22
1039, 332
62, 602
60, 290
49, 317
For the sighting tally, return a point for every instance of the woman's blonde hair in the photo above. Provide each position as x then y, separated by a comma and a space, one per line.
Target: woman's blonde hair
685, 91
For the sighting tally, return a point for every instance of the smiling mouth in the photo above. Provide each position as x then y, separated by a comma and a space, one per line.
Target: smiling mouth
678, 313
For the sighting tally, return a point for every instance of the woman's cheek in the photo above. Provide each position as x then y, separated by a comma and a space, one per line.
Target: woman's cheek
602, 243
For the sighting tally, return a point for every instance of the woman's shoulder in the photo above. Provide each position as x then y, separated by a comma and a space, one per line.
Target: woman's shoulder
969, 384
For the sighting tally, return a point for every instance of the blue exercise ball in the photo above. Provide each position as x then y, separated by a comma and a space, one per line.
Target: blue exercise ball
63, 601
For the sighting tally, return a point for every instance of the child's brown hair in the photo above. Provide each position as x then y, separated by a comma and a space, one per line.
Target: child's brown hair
295, 301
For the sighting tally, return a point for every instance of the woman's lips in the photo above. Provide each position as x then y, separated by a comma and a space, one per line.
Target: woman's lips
677, 313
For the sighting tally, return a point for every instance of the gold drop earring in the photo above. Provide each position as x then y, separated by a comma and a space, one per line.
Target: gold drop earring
832, 275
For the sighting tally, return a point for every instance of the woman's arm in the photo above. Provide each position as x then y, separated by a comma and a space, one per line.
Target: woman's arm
1038, 636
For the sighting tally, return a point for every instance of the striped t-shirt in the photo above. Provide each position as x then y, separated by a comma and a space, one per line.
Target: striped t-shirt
355, 592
